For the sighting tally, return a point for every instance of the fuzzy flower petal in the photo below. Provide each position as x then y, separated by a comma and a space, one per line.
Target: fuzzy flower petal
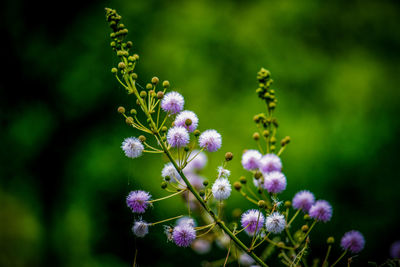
172, 102
140, 228
186, 220
197, 161
138, 201
245, 259
275, 223
177, 136
270, 163
275, 182
249, 221
353, 241
182, 118
211, 140
395, 250
321, 211
303, 200
132, 147
222, 172
183, 235
221, 189
201, 246
251, 159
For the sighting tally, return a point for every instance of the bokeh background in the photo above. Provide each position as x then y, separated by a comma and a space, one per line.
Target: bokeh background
64, 177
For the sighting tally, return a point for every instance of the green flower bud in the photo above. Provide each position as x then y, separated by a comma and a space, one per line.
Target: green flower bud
256, 136
228, 156
304, 228
129, 44
188, 122
142, 138
167, 178
288, 204
262, 204
272, 105
307, 217
165, 84
114, 70
242, 180
134, 76
272, 140
121, 65
149, 86
202, 193
265, 133
143, 94
237, 185
136, 56
133, 111
164, 129
121, 110
196, 133
129, 120
205, 182
160, 95
164, 185
257, 175
154, 80
330, 240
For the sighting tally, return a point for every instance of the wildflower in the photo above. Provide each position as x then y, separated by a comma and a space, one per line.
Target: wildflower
275, 182
251, 159
269, 163
178, 136
197, 161
321, 211
353, 241
140, 228
275, 223
395, 250
195, 180
245, 259
183, 235
303, 200
138, 201
186, 220
210, 140
170, 171
223, 172
249, 221
201, 246
221, 189
132, 147
172, 102
187, 119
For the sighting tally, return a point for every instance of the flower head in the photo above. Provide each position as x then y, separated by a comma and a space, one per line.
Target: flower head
321, 211
184, 117
270, 163
303, 200
251, 159
197, 161
353, 241
138, 201
140, 228
195, 180
222, 172
178, 136
172, 102
186, 220
245, 259
221, 189
183, 235
275, 182
210, 140
201, 246
275, 223
132, 147
395, 250
170, 171
249, 221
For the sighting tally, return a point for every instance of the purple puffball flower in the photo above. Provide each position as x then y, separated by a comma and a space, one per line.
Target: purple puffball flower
196, 162
201, 246
353, 241
138, 201
185, 115
221, 189
275, 223
132, 147
395, 250
183, 235
210, 140
275, 182
178, 136
140, 228
321, 211
249, 221
303, 200
172, 102
170, 171
186, 220
251, 159
269, 163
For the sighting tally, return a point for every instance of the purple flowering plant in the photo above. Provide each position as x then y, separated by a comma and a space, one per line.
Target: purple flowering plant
254, 235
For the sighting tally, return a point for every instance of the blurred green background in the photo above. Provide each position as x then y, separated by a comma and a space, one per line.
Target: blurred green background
64, 177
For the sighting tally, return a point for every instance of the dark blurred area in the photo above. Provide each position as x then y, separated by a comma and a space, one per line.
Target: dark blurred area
64, 178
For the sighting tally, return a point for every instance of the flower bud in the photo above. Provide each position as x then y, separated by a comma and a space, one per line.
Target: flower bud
236, 213
272, 140
136, 56
164, 129
280, 244
167, 178
186, 148
121, 110
160, 95
273, 148
202, 193
262, 204
272, 105
257, 175
205, 182
164, 185
114, 70
188, 122
133, 111
121, 65
143, 94
134, 76
237, 185
265, 133
307, 217
288, 204
228, 156
129, 120
155, 80
165, 84
242, 180
149, 86
256, 136
129, 44
142, 138
131, 58
330, 240
196, 133
304, 228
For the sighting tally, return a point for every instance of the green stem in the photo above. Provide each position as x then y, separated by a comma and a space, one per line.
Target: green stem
325, 262
341, 256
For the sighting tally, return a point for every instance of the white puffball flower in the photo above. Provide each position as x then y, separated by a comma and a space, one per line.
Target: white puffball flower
221, 189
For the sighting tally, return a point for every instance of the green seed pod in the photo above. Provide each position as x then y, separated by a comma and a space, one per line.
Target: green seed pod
121, 110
